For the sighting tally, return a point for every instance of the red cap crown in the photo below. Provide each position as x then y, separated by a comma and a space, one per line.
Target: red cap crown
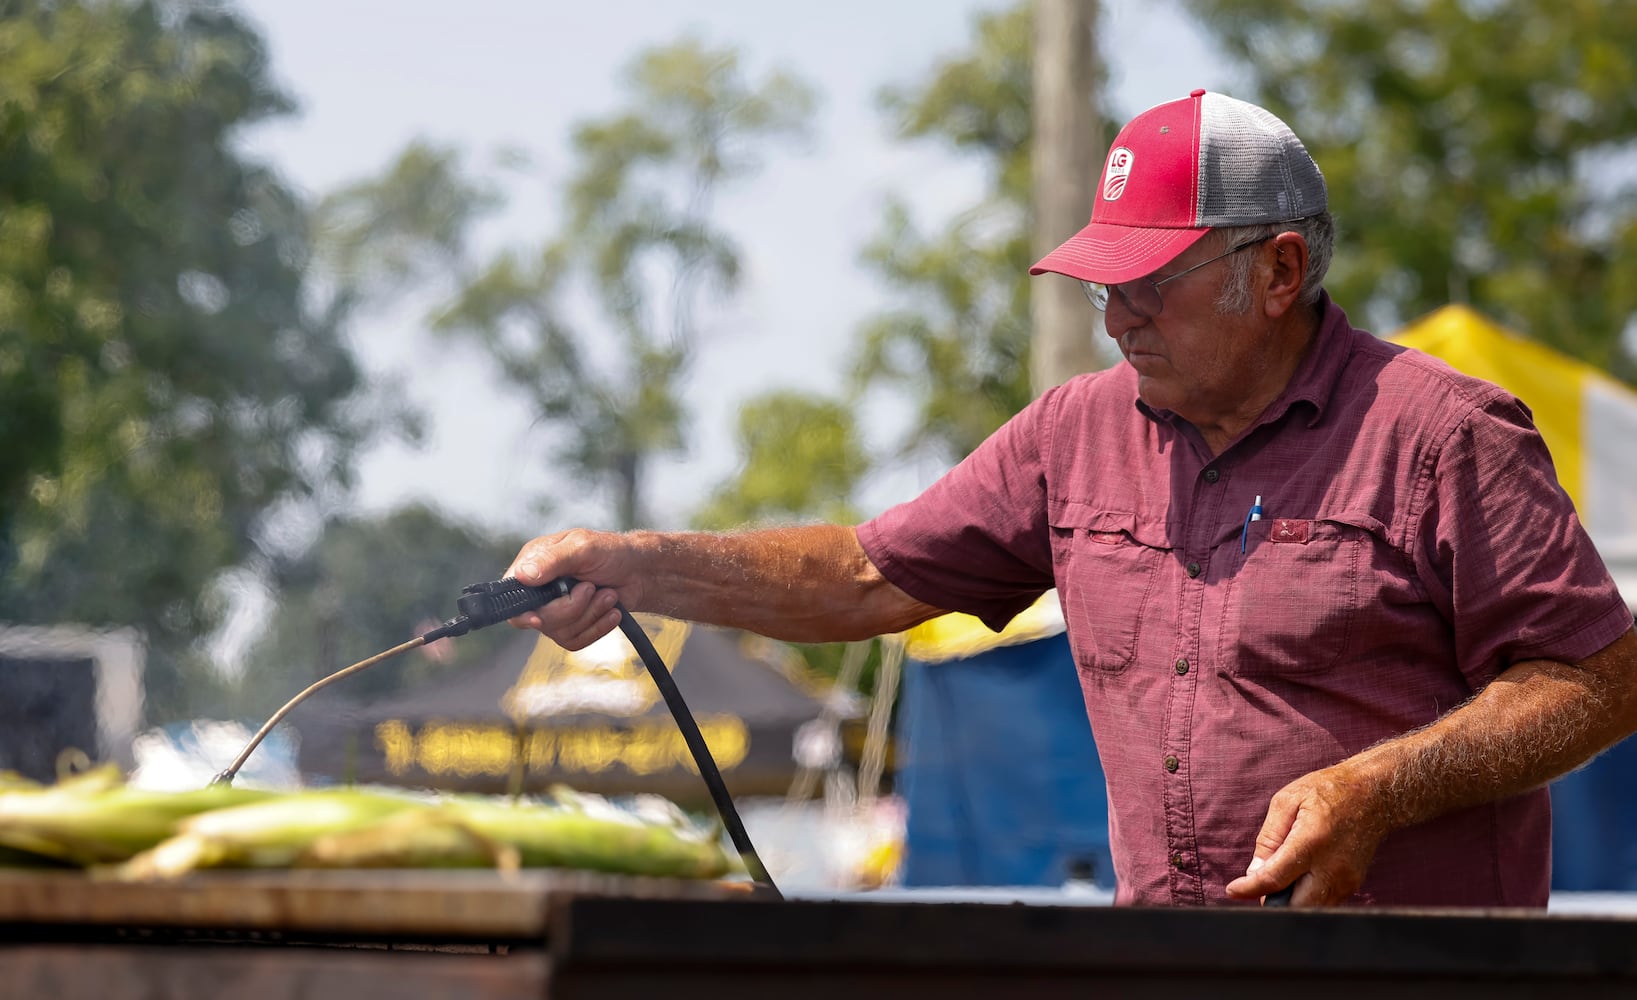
1177, 171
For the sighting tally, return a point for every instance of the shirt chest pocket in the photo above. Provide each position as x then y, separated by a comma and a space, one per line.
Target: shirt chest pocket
1108, 567
1292, 606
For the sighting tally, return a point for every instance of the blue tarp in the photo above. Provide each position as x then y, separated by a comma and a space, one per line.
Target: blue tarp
999, 773
1003, 786
1594, 824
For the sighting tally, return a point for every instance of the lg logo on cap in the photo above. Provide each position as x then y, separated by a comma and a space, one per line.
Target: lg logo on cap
1116, 173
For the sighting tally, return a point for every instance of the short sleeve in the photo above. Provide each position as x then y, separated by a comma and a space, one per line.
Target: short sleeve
976, 541
1502, 554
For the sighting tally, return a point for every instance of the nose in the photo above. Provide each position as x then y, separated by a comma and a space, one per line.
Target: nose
1119, 317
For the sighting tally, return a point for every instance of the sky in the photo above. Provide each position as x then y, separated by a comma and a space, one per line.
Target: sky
485, 76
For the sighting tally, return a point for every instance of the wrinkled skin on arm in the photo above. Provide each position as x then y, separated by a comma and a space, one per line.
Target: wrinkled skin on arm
803, 584
1538, 720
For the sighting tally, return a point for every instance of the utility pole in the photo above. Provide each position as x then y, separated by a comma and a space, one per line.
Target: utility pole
1067, 158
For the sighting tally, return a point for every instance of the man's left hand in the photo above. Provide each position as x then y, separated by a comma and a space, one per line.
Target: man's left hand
1321, 833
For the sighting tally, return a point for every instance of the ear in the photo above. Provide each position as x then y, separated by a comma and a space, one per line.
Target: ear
1284, 281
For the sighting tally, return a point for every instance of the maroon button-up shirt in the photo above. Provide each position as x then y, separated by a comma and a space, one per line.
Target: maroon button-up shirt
1413, 543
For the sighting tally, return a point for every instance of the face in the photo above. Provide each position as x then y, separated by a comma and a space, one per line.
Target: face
1204, 366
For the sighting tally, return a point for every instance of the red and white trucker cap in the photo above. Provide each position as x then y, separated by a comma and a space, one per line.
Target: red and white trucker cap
1179, 170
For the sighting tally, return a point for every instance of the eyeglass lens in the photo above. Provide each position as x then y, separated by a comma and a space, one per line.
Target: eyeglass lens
1141, 296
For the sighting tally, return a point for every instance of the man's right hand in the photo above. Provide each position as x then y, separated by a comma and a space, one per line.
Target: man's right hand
604, 564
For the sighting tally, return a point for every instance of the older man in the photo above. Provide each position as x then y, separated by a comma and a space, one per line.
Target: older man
1336, 624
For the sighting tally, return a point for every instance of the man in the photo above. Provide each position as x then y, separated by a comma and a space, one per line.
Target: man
1336, 624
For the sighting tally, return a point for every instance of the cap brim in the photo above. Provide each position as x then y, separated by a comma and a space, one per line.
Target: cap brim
1110, 254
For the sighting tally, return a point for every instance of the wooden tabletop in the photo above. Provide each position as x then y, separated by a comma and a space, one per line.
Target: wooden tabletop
453, 905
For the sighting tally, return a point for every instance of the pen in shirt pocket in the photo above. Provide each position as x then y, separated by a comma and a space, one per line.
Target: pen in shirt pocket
1254, 515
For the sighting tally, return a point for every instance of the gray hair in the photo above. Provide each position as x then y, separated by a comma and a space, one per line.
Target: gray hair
1319, 232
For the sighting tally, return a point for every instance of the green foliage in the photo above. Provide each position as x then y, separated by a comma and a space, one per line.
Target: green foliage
959, 343
639, 246
1476, 152
980, 102
802, 458
959, 346
379, 237
365, 585
164, 384
640, 204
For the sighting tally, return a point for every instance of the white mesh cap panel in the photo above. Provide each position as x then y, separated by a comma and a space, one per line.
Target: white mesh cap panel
1252, 168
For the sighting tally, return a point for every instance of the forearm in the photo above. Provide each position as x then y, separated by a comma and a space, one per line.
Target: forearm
1536, 721
802, 584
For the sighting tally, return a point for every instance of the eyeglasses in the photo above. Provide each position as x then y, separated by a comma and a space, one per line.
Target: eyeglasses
1142, 295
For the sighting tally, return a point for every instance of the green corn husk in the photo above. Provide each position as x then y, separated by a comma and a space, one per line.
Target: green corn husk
269, 834
101, 778
11, 781
465, 833
574, 832
585, 832
431, 837
82, 821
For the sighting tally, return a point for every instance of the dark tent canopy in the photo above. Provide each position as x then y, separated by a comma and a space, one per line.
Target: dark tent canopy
534, 715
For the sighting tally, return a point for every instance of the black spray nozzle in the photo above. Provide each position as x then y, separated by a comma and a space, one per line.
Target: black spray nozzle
484, 604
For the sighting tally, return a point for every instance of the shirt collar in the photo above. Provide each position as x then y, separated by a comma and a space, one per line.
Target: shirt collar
1314, 381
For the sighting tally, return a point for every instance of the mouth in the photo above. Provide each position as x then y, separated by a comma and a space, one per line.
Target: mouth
1148, 364
1132, 351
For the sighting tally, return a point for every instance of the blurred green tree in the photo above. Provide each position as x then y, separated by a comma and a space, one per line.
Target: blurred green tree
1476, 152
365, 585
802, 459
958, 347
166, 383
597, 327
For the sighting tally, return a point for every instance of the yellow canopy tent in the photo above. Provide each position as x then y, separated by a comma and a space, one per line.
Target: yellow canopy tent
958, 637
1589, 421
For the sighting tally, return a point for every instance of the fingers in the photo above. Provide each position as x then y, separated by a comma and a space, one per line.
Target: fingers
565, 553
1318, 840
576, 621
1260, 879
1288, 878
530, 565
1266, 876
585, 615
589, 611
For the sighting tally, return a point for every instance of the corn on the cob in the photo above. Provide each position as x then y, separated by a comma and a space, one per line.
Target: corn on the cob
570, 836
270, 834
11, 781
420, 838
93, 779
82, 822
471, 833
92, 819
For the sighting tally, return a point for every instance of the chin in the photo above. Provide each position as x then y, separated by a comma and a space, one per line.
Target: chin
1155, 396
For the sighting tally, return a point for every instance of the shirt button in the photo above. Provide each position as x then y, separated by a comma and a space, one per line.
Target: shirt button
1171, 763
1211, 475
1182, 667
1178, 861
1193, 569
